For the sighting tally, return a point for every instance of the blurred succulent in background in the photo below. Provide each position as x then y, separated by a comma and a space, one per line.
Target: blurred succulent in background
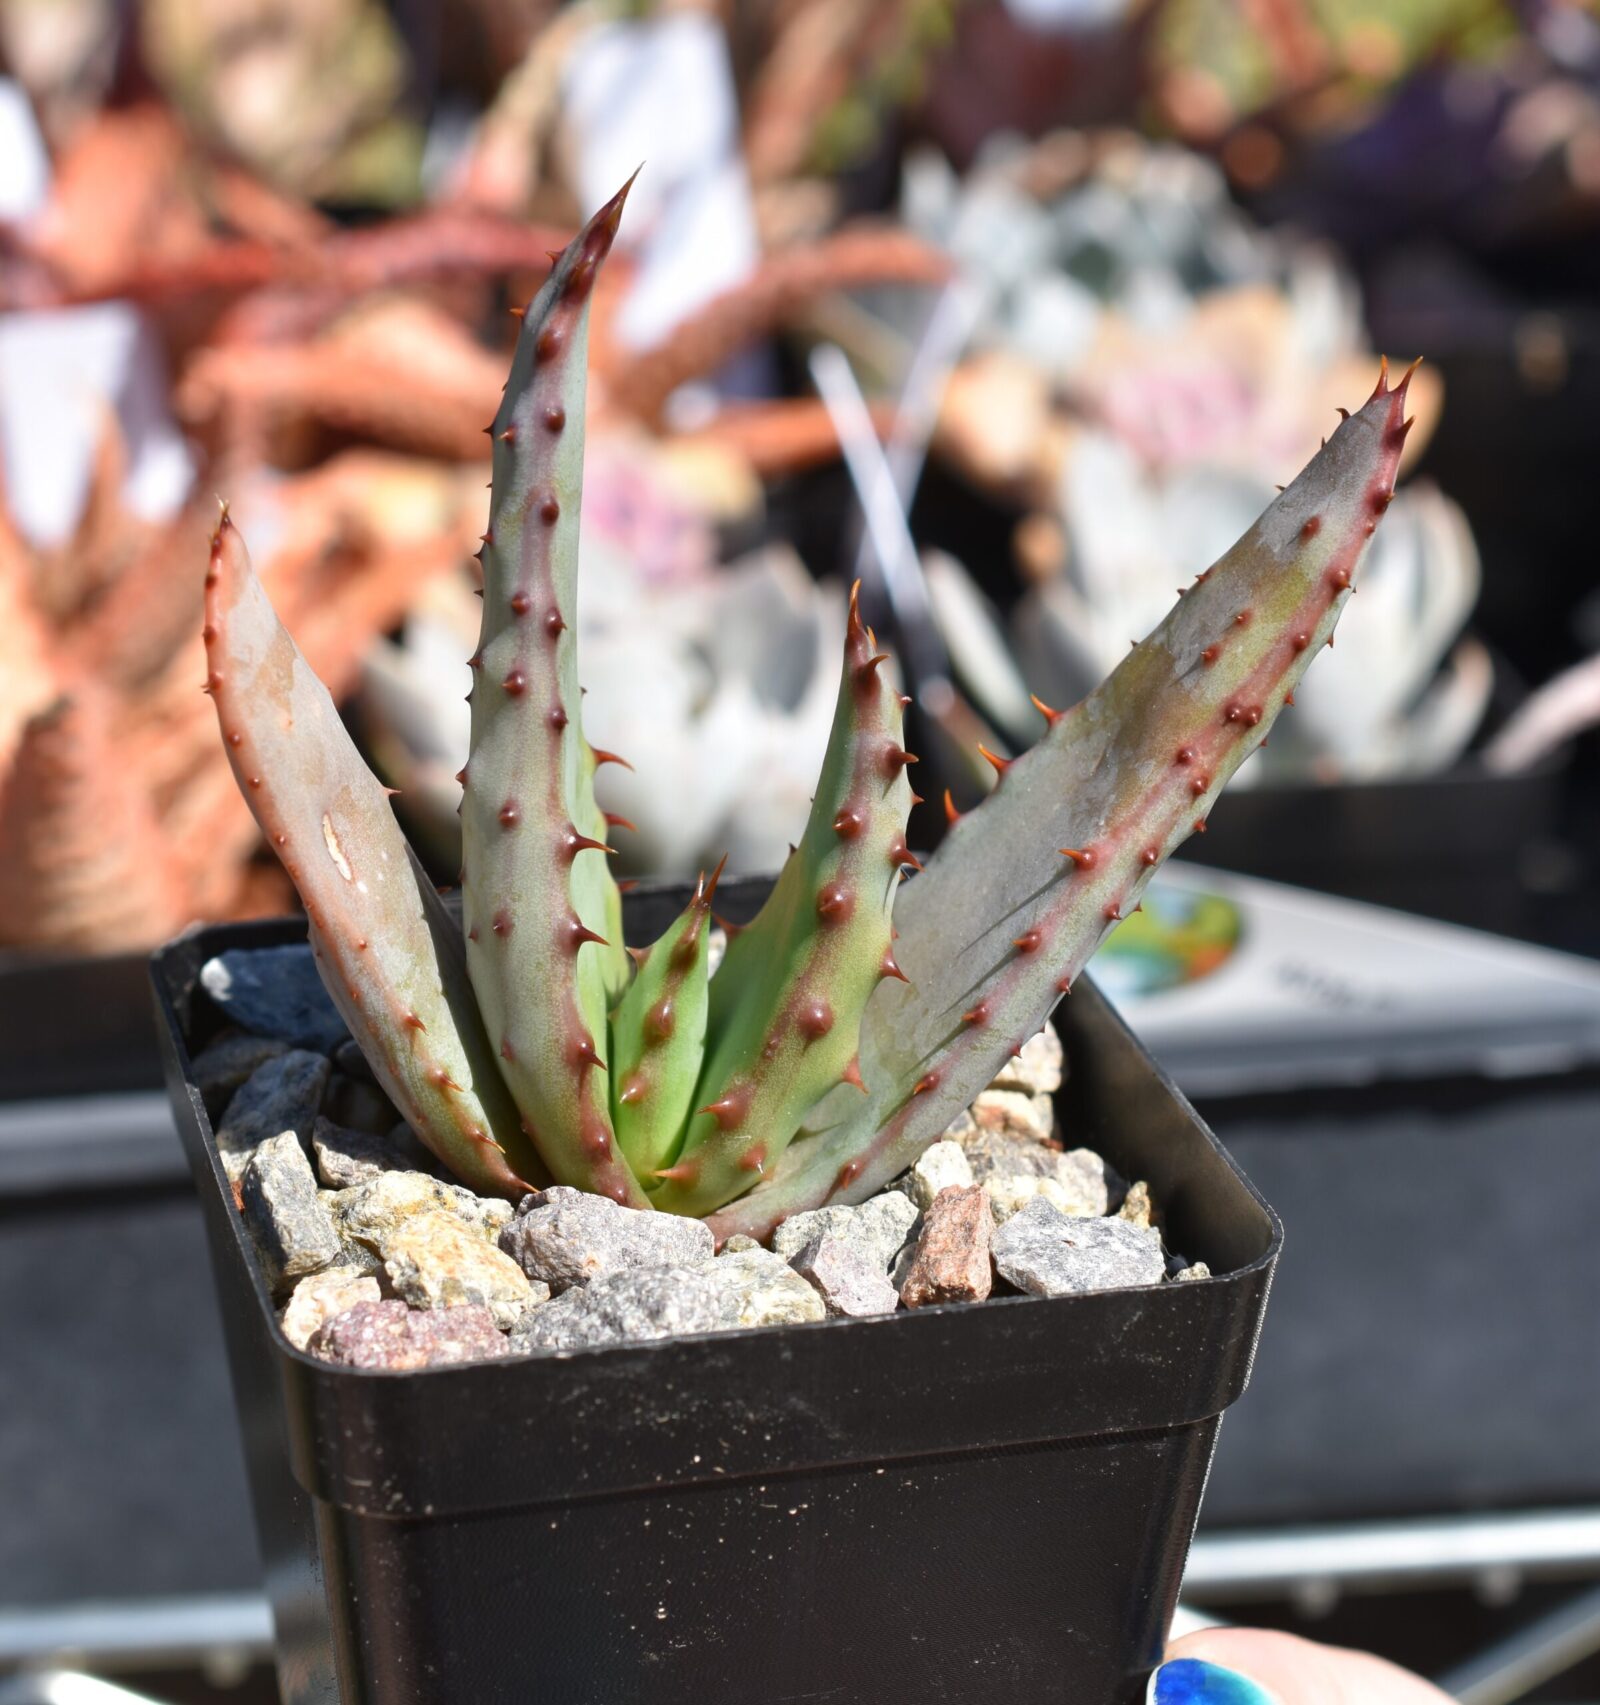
1146, 367
682, 657
118, 823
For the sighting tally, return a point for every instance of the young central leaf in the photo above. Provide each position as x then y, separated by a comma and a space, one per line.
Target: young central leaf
658, 1037
786, 1003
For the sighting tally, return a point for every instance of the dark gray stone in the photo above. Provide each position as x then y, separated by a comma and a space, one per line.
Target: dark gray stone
358, 1105
569, 1238
390, 1336
285, 1094
1042, 1251
275, 991
349, 1059
293, 1229
220, 1069
346, 1157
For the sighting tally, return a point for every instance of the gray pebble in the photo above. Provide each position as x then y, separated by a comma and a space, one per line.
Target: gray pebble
752, 1288
275, 991
293, 1229
1043, 1252
346, 1158
881, 1225
349, 1059
570, 1238
284, 1094
221, 1068
845, 1273
761, 1289
1081, 1178
625, 1305
358, 1106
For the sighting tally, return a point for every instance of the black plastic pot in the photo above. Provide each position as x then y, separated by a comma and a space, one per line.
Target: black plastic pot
957, 1504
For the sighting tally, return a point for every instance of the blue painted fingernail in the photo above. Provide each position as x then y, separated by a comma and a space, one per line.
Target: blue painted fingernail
1190, 1681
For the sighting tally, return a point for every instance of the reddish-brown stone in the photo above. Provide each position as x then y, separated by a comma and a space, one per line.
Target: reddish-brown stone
951, 1260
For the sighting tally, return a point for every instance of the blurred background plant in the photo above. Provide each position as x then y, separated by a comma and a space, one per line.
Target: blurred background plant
266, 248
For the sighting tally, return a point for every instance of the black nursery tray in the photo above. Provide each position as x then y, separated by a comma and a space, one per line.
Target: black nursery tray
956, 1504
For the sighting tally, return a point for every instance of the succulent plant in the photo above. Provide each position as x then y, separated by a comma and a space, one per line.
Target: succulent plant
846, 1026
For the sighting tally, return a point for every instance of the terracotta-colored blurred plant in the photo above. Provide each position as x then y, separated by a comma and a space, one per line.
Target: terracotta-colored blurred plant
119, 821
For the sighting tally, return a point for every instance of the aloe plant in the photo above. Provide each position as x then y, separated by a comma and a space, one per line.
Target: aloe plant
849, 1023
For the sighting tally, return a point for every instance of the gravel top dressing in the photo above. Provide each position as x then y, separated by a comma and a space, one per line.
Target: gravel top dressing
378, 1260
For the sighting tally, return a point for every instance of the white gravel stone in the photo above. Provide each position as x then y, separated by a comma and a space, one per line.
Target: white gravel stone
941, 1167
320, 1296
1009, 1195
1014, 1113
437, 1260
759, 1288
1037, 1069
1043, 1252
567, 1237
881, 1224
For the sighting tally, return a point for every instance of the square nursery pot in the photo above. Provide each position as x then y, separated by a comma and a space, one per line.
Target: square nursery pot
957, 1504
